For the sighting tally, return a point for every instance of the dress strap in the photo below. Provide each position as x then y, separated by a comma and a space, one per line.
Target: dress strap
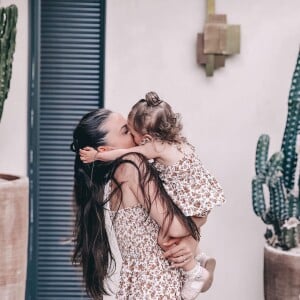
107, 191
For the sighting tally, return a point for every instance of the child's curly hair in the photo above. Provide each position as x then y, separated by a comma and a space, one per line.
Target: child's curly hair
155, 117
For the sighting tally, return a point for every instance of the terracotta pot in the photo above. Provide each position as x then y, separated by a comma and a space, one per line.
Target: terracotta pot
14, 198
281, 274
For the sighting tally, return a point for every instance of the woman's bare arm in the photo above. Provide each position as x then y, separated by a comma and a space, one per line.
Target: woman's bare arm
129, 174
181, 247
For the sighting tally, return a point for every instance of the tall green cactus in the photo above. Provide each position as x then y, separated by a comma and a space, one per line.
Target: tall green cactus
8, 22
282, 208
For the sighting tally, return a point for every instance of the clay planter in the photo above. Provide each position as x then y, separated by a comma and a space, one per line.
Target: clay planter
281, 274
13, 236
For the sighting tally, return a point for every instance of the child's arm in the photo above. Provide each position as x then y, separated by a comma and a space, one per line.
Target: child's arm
89, 154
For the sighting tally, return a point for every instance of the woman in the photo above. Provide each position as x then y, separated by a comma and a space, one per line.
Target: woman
139, 208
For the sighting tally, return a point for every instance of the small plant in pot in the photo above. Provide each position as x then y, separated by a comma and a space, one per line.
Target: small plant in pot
276, 200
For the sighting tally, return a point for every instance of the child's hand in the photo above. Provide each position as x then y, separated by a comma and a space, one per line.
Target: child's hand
88, 154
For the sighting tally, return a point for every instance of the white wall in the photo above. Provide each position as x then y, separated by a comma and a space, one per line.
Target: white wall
13, 126
151, 46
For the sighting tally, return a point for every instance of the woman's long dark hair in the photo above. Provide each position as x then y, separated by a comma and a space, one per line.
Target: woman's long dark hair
92, 248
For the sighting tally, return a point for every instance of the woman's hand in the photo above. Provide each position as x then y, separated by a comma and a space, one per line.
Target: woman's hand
88, 154
180, 251
167, 243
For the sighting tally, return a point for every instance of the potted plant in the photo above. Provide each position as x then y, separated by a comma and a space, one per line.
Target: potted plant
13, 236
275, 196
14, 193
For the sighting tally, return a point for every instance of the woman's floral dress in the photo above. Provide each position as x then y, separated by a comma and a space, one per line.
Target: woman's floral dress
145, 273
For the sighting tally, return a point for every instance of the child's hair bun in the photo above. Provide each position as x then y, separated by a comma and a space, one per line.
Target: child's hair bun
152, 99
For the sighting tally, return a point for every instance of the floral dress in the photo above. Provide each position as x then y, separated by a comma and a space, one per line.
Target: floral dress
193, 189
145, 273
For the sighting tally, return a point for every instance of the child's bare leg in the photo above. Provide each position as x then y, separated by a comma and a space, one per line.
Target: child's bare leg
199, 221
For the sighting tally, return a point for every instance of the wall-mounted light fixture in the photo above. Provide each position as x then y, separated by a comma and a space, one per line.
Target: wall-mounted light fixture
218, 40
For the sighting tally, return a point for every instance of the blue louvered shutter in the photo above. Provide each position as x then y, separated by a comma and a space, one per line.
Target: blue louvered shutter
67, 59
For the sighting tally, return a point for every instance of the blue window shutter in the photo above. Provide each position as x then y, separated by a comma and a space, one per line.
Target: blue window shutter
66, 81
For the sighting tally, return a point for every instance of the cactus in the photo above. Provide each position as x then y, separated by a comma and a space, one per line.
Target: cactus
8, 21
281, 212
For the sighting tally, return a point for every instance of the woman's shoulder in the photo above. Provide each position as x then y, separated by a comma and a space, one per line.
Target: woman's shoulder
129, 165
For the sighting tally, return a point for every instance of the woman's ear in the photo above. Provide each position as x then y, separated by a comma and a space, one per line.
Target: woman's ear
104, 148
